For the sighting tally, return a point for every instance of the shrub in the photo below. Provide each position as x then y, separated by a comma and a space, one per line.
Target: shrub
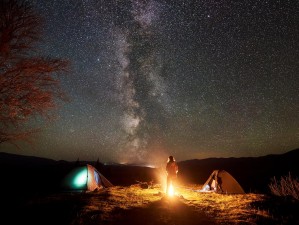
286, 186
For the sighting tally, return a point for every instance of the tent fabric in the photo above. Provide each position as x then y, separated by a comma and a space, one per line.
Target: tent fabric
99, 179
220, 181
85, 178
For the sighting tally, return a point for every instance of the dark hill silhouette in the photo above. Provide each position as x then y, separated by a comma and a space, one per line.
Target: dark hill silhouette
42, 174
30, 174
23, 160
253, 173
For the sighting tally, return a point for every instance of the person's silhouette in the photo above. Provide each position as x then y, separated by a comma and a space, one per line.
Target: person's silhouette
172, 170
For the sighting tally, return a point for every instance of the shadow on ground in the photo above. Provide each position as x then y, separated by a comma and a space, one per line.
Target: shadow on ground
46, 210
163, 212
282, 210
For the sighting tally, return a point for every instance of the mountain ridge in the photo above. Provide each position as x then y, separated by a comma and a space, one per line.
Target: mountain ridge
253, 173
12, 156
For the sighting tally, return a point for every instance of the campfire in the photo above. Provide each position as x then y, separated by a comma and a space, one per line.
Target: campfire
171, 190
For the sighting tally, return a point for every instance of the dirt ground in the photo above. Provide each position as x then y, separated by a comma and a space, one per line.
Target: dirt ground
136, 206
162, 212
117, 206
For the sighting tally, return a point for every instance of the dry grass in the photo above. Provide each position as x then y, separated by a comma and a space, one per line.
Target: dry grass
236, 209
221, 209
116, 198
286, 186
134, 205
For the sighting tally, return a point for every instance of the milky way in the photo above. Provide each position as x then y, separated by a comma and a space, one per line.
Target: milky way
194, 79
141, 86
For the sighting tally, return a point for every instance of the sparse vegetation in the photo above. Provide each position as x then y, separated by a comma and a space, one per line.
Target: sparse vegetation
138, 199
285, 186
111, 206
136, 205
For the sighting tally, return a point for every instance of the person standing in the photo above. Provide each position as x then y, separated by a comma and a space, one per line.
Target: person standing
172, 170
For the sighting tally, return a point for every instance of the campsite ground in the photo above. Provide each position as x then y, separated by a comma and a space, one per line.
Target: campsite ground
136, 205
30, 194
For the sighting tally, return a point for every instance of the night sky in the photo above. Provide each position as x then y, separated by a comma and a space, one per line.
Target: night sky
192, 79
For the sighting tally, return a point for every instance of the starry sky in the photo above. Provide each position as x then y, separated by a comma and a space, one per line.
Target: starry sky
192, 79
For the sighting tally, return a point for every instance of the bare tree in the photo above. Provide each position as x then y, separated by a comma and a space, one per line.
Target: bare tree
29, 85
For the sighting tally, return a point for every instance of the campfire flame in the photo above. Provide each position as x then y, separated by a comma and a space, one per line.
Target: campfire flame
171, 190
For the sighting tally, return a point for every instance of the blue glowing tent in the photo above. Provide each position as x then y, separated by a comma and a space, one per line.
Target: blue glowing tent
85, 178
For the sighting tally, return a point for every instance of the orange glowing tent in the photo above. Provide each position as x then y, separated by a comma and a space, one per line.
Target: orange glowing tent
220, 181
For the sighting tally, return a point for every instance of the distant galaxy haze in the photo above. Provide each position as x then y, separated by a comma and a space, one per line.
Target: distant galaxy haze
192, 79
